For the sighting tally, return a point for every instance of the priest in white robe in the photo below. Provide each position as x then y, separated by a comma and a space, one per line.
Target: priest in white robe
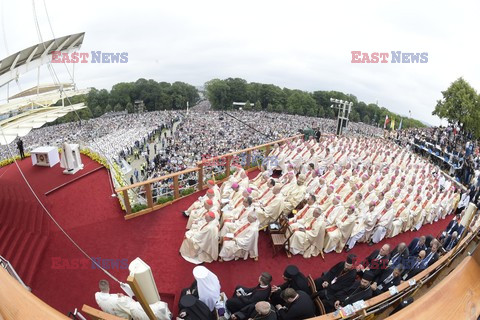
399, 220
415, 213
210, 194
365, 220
271, 207
201, 242
115, 304
237, 216
243, 242
295, 195
384, 222
336, 235
308, 239
198, 214
305, 213
266, 191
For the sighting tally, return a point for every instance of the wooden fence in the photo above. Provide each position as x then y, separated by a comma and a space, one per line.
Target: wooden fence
226, 161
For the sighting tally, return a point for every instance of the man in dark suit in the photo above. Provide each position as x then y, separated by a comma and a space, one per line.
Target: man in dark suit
262, 310
389, 277
428, 240
450, 242
244, 296
20, 148
451, 227
399, 254
376, 262
298, 305
318, 134
340, 277
413, 265
293, 279
360, 290
432, 255
417, 245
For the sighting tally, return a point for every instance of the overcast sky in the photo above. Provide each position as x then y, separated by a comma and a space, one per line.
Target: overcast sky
303, 44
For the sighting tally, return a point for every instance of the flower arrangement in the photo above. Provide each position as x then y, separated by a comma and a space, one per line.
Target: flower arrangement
6, 162
95, 157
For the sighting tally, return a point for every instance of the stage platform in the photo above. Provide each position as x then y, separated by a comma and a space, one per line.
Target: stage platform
86, 210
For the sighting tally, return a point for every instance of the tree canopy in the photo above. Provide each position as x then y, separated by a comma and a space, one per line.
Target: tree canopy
269, 97
155, 96
460, 105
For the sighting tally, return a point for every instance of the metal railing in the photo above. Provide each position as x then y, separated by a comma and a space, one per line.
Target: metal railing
4, 263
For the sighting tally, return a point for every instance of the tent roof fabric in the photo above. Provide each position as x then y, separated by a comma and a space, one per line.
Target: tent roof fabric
27, 59
22, 124
46, 98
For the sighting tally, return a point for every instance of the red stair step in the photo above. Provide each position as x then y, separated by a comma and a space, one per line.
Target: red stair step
6, 242
19, 249
37, 256
31, 246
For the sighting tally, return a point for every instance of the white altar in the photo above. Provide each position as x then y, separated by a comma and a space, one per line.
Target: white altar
45, 156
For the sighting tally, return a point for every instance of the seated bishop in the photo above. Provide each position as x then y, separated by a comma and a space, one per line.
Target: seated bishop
201, 241
242, 242
198, 214
307, 239
271, 208
336, 235
210, 194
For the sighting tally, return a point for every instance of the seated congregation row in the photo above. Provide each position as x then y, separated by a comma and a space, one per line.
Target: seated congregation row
345, 283
336, 192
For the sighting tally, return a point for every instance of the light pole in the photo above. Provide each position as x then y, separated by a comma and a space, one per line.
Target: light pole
344, 108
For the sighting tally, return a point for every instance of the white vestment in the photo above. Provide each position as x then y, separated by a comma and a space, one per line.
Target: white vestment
243, 244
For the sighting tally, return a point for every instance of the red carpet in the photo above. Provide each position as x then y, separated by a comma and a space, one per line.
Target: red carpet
94, 219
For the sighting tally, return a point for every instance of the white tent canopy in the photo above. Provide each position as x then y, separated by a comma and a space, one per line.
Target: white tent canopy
23, 123
40, 100
28, 59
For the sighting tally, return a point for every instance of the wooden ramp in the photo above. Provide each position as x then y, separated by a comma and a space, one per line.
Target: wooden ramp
457, 296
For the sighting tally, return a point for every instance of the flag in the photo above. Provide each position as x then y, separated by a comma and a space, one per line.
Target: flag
400, 126
386, 122
392, 125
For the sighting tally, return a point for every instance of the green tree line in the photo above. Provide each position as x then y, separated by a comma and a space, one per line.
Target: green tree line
155, 96
269, 97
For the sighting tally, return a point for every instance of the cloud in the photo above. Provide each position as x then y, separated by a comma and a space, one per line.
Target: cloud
303, 45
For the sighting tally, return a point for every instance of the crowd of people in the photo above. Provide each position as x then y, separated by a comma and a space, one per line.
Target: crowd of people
112, 137
203, 134
332, 193
345, 283
457, 147
199, 134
